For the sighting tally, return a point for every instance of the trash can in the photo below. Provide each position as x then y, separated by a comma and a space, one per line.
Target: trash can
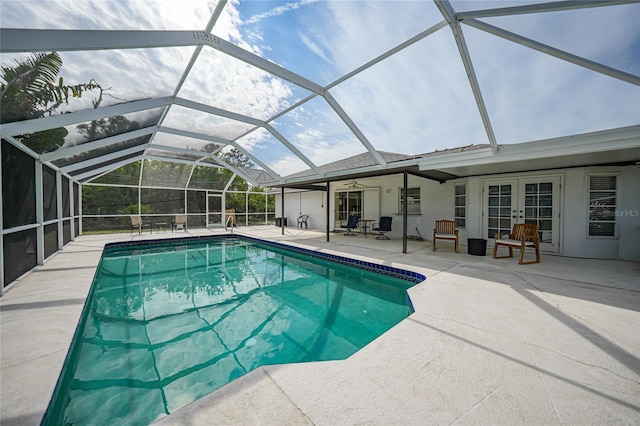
477, 246
279, 221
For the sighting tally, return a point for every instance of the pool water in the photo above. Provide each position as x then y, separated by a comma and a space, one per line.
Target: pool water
166, 325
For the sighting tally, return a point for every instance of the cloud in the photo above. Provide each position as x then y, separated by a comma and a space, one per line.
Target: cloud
416, 101
277, 11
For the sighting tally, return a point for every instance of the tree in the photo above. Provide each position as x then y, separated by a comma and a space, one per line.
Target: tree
237, 158
32, 89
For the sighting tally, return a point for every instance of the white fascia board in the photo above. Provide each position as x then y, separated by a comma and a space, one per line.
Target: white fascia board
100, 143
346, 173
607, 140
55, 121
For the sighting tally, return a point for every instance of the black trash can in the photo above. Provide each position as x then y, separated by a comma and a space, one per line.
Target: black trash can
279, 221
477, 246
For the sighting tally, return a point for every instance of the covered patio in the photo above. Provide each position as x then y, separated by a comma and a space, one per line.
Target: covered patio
490, 342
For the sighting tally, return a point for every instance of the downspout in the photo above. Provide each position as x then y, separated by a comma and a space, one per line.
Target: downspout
282, 210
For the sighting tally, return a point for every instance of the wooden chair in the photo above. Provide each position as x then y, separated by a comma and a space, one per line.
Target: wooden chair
138, 224
180, 222
446, 230
522, 236
302, 220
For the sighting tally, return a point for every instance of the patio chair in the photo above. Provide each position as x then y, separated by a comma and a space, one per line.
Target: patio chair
138, 224
446, 230
180, 222
302, 220
352, 223
522, 235
383, 226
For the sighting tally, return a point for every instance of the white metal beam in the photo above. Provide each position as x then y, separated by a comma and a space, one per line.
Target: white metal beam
55, 121
198, 162
449, 14
178, 150
390, 53
540, 7
100, 143
45, 40
354, 129
560, 54
107, 169
224, 142
30, 40
217, 111
103, 158
295, 150
193, 135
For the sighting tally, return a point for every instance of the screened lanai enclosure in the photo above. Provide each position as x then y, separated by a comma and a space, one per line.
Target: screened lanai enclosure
200, 107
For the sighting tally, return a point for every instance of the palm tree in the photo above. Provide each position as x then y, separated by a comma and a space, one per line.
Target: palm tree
32, 89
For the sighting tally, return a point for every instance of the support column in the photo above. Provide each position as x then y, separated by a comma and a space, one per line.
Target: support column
328, 204
59, 211
1, 229
80, 208
405, 215
39, 215
282, 210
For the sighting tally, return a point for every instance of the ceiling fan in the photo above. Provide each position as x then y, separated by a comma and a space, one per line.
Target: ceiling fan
355, 185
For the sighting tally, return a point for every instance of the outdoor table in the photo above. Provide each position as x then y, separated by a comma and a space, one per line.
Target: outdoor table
365, 225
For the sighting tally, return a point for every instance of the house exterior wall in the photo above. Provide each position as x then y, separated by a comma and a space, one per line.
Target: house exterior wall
437, 202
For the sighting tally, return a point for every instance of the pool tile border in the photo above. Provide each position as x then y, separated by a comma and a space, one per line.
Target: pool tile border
391, 271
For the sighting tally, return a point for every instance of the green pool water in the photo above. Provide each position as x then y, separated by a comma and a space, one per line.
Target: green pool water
166, 325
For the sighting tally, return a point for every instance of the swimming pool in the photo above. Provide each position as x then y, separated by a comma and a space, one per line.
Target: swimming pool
167, 322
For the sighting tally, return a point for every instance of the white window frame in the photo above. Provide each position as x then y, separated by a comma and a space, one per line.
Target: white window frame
596, 209
461, 221
413, 201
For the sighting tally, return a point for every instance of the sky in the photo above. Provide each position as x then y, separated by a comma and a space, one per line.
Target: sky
416, 101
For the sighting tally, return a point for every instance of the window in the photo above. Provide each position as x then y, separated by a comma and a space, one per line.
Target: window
460, 206
413, 201
602, 206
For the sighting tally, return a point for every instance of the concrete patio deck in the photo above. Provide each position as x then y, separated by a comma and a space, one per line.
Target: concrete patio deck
490, 342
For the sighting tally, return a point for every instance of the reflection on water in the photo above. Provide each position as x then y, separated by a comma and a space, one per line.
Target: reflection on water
167, 326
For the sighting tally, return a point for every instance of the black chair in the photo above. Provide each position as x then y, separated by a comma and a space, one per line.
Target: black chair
302, 220
383, 226
352, 223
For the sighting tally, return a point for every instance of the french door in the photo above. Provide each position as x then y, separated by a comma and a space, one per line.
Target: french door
525, 200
